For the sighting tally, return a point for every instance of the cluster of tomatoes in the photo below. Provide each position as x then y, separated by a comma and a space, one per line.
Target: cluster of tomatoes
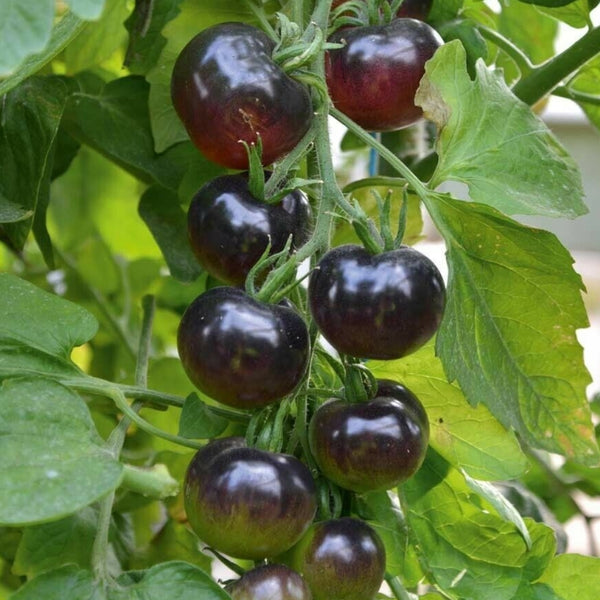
250, 503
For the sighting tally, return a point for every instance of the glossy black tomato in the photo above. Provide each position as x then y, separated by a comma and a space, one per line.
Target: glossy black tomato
372, 445
270, 582
248, 503
373, 78
229, 229
240, 351
413, 9
381, 306
226, 88
340, 559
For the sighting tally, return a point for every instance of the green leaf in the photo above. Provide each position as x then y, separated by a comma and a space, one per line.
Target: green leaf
38, 328
198, 421
87, 9
53, 463
494, 143
471, 552
586, 81
99, 39
509, 329
52, 545
29, 119
530, 30
24, 29
116, 123
67, 582
174, 541
554, 3
575, 13
160, 210
64, 31
574, 577
193, 18
171, 580
383, 513
145, 27
468, 437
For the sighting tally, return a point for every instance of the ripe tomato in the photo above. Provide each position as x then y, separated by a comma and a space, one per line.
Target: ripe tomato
240, 351
380, 306
373, 445
229, 229
340, 559
245, 502
373, 78
226, 89
270, 582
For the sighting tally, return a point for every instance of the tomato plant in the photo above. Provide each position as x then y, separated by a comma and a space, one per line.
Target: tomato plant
273, 320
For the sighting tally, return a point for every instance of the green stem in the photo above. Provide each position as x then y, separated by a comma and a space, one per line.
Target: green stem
418, 186
580, 97
522, 61
143, 356
543, 79
283, 167
397, 588
155, 482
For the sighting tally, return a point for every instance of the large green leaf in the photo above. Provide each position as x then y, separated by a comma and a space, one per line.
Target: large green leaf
509, 330
53, 461
575, 13
24, 29
574, 577
29, 119
145, 27
38, 330
493, 142
60, 584
160, 210
51, 545
100, 38
532, 31
87, 9
586, 81
193, 18
470, 551
171, 580
115, 122
468, 437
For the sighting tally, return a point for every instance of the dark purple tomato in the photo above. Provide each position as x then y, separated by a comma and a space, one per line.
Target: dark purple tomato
229, 229
340, 559
226, 89
412, 9
248, 503
242, 352
270, 582
373, 445
373, 78
381, 306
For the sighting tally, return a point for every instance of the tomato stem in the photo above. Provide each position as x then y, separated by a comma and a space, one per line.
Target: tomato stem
543, 79
519, 57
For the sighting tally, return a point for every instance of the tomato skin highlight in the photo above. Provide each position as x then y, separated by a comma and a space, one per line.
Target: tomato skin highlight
270, 582
229, 229
226, 89
382, 306
245, 502
373, 79
240, 351
340, 559
374, 445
